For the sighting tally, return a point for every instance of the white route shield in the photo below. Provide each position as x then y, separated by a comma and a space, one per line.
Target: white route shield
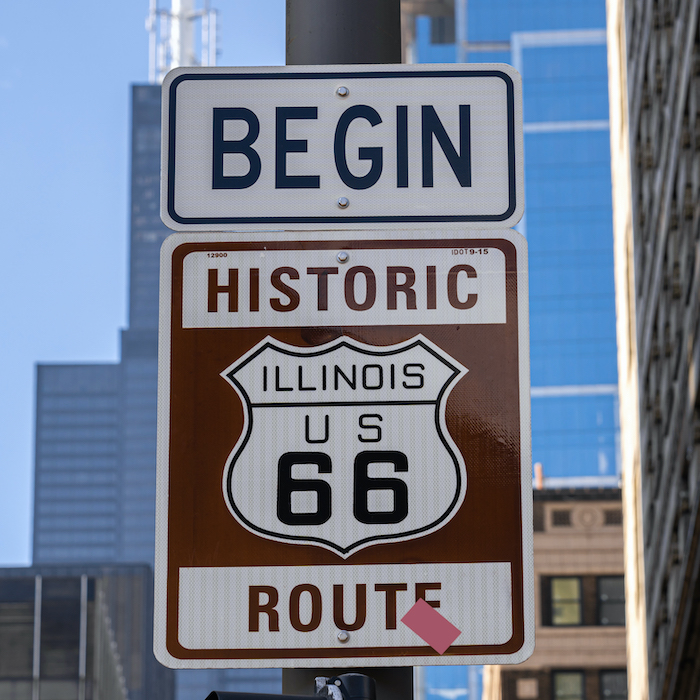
360, 452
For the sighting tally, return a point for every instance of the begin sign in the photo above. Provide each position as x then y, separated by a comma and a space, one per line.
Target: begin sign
309, 147
344, 430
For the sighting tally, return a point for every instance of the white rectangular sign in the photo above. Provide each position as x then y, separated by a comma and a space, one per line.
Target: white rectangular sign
475, 597
342, 147
379, 287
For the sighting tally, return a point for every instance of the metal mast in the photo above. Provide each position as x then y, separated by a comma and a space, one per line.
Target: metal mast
173, 39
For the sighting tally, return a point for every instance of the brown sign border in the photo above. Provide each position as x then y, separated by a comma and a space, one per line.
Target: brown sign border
334, 655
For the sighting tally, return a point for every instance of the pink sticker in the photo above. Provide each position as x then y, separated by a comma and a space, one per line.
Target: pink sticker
431, 626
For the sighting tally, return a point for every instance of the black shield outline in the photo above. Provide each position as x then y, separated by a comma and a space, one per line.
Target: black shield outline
362, 348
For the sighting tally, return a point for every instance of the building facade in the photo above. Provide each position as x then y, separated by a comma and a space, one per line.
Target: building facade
580, 650
95, 451
654, 54
76, 491
560, 51
79, 633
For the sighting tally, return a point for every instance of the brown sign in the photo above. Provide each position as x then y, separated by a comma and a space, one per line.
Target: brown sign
344, 429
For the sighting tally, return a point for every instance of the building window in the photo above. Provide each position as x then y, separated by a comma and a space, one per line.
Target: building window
613, 517
566, 601
538, 516
583, 600
60, 634
613, 685
611, 600
568, 685
561, 518
442, 30
16, 636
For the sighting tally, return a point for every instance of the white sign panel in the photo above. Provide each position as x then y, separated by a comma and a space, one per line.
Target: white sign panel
474, 594
381, 287
342, 146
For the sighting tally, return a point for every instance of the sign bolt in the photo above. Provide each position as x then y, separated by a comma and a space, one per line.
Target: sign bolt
343, 202
343, 637
342, 91
342, 257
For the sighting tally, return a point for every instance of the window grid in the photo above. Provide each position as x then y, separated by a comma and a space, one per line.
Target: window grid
613, 685
611, 600
568, 685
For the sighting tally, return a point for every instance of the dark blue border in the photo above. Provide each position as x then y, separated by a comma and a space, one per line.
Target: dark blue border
228, 220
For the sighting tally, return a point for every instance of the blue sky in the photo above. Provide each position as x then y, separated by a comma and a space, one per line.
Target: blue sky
65, 72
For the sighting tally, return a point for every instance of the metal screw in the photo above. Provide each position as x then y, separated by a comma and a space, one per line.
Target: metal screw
343, 637
342, 257
342, 91
343, 202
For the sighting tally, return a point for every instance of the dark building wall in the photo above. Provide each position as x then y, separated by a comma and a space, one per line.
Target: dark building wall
95, 466
656, 46
77, 451
79, 633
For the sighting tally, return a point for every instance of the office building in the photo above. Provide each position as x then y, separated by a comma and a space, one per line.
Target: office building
560, 51
79, 632
96, 424
76, 491
654, 54
580, 650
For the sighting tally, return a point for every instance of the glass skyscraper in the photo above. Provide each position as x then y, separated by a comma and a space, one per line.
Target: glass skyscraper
559, 48
94, 497
96, 424
76, 489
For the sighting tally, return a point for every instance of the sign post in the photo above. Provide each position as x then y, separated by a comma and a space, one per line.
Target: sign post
329, 32
344, 420
342, 32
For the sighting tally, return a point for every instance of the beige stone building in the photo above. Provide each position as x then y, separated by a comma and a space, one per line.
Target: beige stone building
579, 602
654, 70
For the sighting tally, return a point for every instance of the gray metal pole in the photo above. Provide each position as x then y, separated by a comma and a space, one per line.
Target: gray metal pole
327, 32
343, 31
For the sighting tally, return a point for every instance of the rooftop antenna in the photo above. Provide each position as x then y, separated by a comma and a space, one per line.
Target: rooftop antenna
173, 39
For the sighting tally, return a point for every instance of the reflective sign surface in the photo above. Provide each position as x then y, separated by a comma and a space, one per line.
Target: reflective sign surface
344, 430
